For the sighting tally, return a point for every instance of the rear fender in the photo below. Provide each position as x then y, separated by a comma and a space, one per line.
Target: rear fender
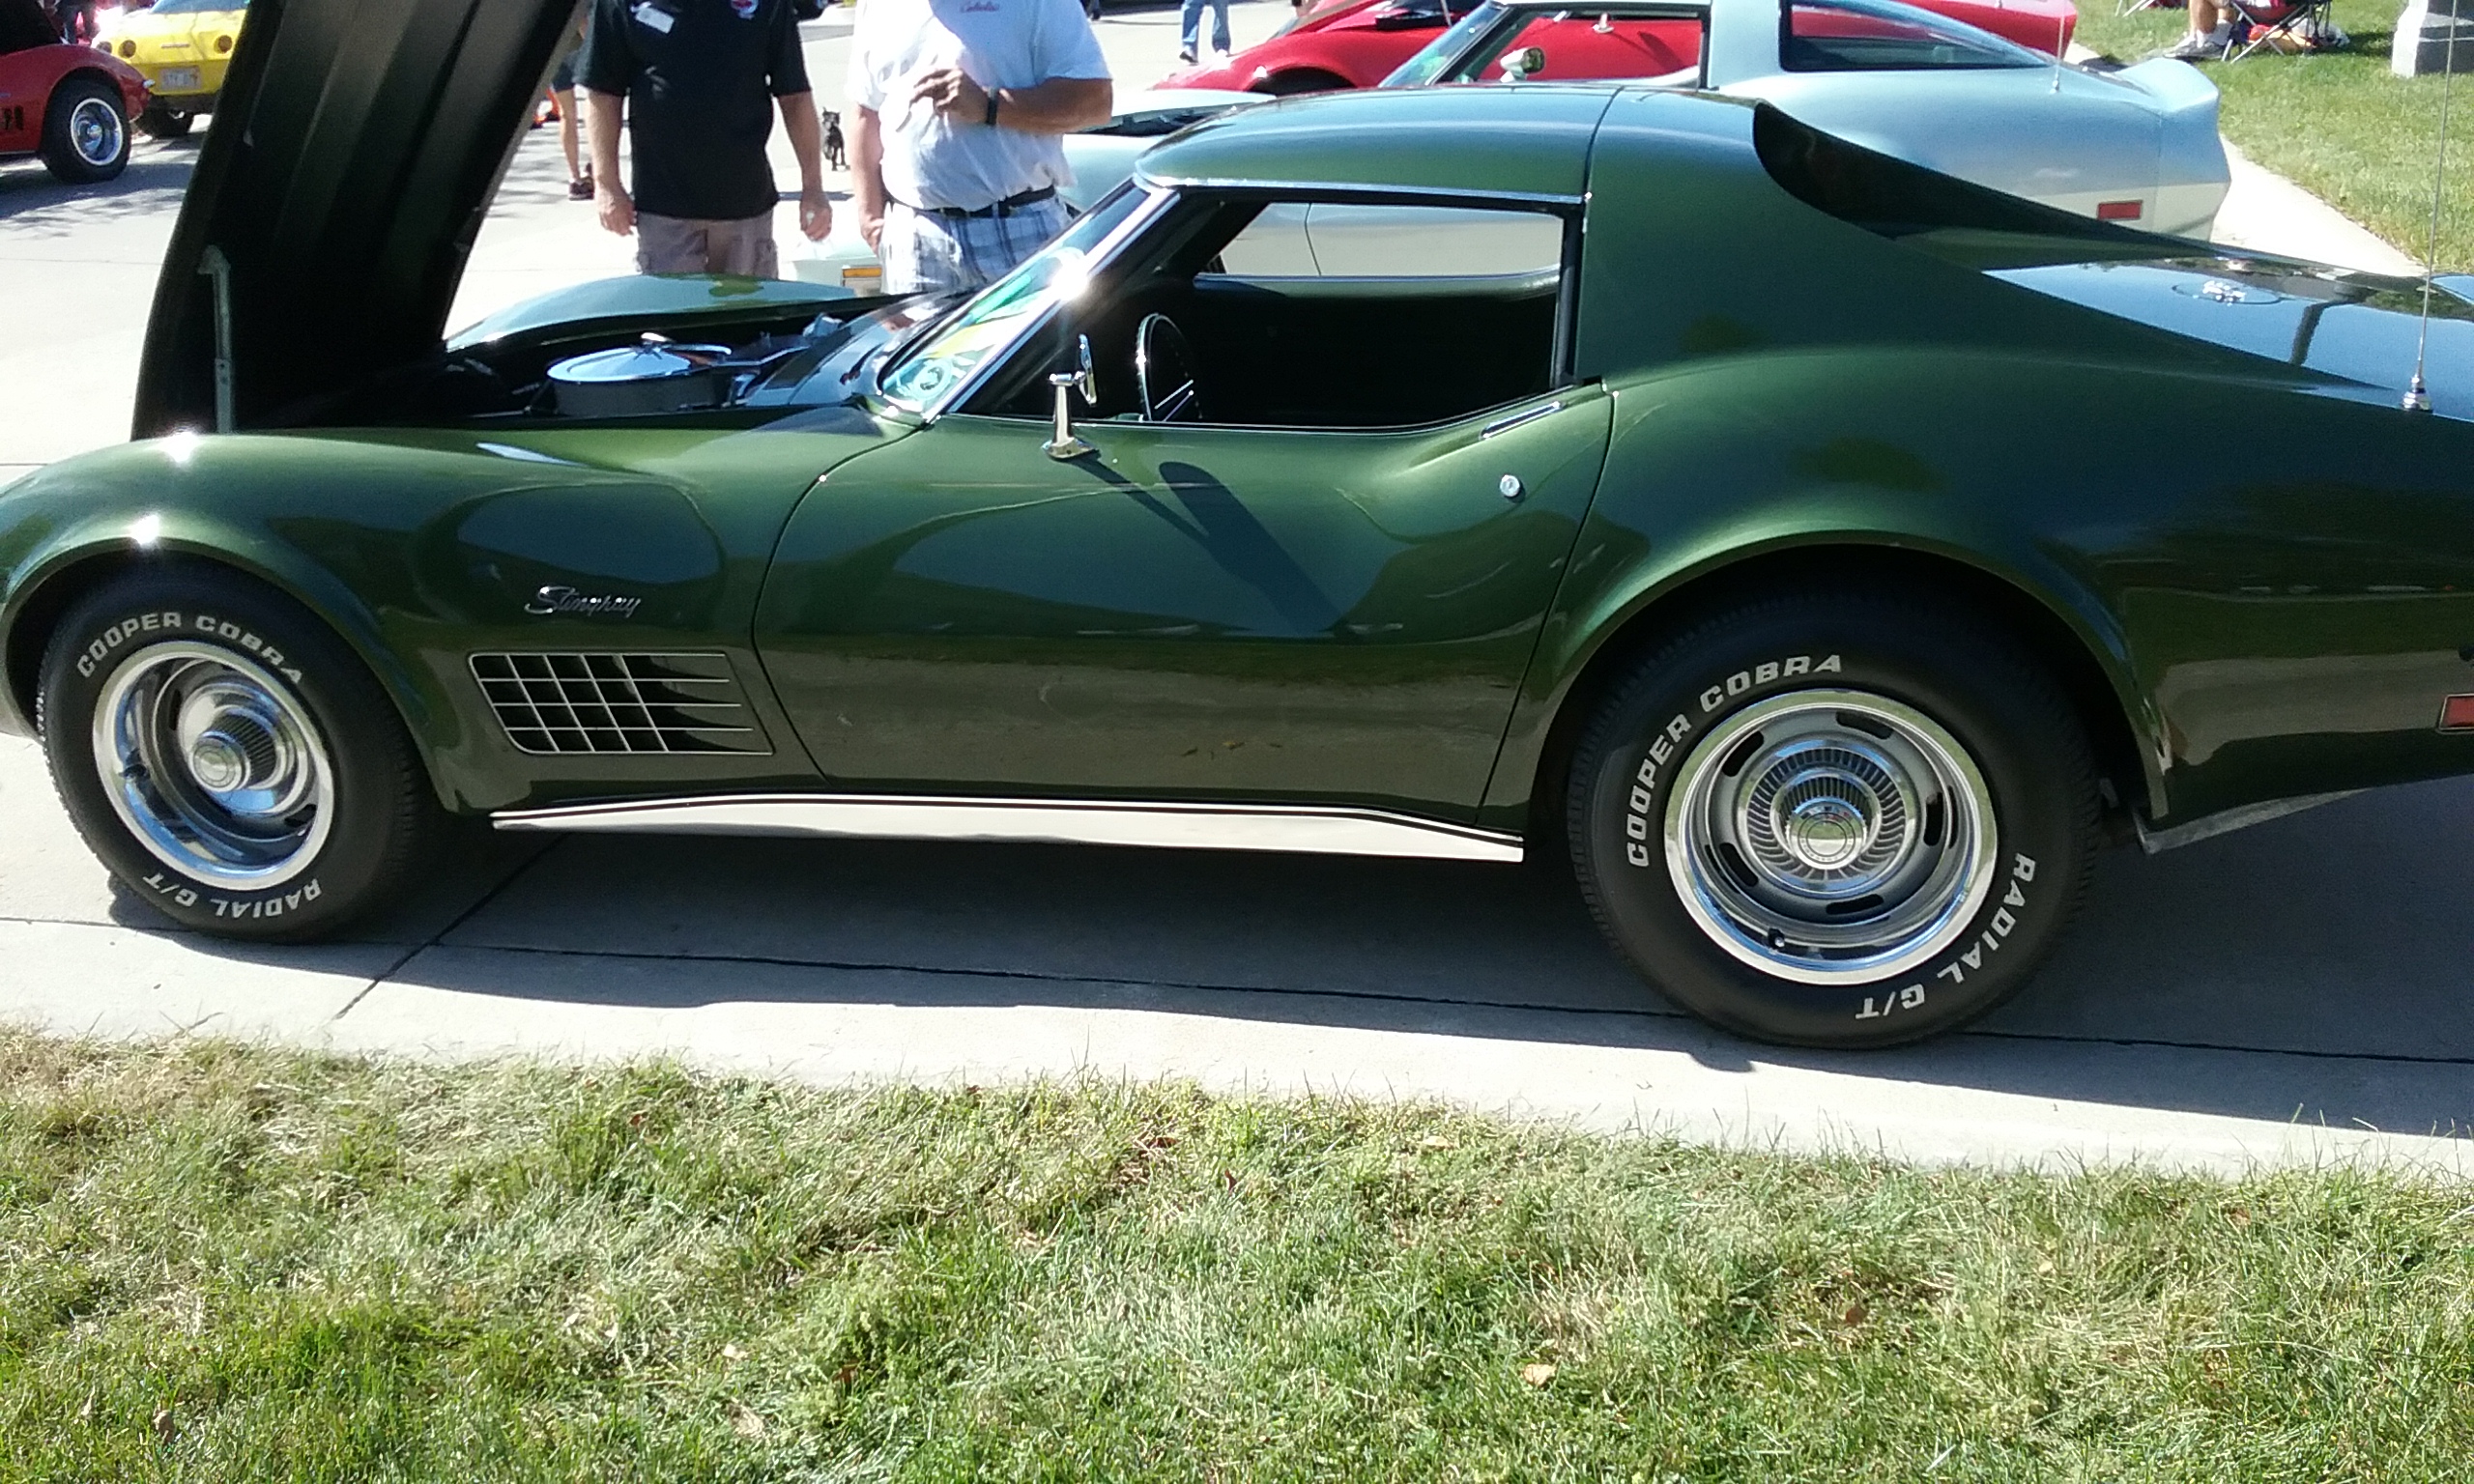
1711, 496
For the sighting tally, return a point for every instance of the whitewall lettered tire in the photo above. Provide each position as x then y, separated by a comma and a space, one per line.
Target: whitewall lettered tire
228, 758
1834, 818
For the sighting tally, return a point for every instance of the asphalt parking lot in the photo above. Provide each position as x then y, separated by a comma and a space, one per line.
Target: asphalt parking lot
2293, 992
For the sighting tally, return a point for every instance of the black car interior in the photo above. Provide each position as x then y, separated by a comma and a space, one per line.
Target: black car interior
1288, 350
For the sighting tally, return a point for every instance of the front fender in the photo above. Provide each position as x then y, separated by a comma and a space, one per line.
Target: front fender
167, 499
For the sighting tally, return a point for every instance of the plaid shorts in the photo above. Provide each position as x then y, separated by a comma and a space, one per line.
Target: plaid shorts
927, 253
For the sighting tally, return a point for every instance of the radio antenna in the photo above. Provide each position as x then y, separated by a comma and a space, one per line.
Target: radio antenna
2418, 396
2061, 44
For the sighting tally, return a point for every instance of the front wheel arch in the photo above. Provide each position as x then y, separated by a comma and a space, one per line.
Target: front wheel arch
59, 590
2122, 758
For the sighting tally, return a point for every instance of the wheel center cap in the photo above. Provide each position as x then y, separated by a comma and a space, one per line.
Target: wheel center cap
1825, 833
219, 766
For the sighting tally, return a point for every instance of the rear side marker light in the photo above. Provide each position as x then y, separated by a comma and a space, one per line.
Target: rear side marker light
2457, 714
2121, 210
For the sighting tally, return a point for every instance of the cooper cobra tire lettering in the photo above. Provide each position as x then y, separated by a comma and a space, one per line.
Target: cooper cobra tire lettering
2033, 807
380, 812
1742, 684
101, 648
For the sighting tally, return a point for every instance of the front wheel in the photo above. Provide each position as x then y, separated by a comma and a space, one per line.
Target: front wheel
85, 136
1834, 819
229, 759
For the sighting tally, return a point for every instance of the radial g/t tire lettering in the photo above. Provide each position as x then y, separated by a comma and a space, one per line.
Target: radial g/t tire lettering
1841, 818
228, 758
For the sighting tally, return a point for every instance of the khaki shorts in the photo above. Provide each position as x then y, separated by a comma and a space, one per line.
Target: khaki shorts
673, 245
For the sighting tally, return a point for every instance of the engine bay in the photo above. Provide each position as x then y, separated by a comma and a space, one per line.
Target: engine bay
637, 367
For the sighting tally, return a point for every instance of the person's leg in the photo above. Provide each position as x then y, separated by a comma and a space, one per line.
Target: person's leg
1219, 26
994, 244
745, 246
1189, 29
670, 245
571, 144
2211, 27
919, 254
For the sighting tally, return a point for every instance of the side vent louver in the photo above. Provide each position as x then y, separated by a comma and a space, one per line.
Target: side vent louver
563, 704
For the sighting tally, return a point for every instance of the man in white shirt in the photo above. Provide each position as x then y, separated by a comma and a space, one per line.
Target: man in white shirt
955, 148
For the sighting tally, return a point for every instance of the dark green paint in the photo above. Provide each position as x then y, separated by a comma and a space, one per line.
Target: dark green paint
2269, 565
1187, 612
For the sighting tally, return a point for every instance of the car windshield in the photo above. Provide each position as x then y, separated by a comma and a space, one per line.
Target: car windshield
1438, 54
946, 357
184, 6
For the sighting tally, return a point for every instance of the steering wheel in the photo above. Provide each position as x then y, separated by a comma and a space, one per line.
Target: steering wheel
1164, 369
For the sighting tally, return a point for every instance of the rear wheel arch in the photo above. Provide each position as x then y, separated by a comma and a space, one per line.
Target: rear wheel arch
2121, 759
93, 74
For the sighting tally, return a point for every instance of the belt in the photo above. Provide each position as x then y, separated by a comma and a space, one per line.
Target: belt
1005, 208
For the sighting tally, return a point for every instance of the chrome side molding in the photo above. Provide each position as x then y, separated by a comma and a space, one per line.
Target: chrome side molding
1306, 830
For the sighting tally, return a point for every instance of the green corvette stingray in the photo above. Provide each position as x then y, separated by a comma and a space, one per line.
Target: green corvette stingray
1826, 556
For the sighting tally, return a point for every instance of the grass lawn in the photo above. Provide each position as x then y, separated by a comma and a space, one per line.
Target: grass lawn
227, 1264
2339, 123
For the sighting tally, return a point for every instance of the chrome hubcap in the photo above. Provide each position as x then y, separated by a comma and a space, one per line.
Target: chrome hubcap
1831, 837
212, 766
95, 132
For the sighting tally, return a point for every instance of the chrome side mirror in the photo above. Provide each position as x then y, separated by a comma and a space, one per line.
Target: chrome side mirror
1064, 444
1523, 65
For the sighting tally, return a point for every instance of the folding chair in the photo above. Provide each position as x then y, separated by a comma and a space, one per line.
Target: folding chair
2303, 21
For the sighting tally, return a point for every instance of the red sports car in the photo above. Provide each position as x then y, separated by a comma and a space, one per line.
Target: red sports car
69, 104
1357, 43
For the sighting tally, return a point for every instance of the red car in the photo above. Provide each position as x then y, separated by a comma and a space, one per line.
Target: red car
69, 104
1357, 43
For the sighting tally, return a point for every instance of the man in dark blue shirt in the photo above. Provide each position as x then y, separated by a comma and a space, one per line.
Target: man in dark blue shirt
697, 77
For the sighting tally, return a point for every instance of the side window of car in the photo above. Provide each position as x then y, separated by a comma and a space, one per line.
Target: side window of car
1328, 314
1302, 313
1850, 35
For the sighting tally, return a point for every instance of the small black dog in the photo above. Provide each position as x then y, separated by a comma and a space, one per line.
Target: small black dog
835, 154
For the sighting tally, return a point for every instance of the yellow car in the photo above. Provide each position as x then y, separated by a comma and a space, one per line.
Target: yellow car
183, 47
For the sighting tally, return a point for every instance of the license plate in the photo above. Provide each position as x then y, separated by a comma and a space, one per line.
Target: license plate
178, 79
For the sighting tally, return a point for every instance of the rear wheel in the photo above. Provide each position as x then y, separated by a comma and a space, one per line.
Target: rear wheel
162, 121
85, 136
1834, 819
228, 758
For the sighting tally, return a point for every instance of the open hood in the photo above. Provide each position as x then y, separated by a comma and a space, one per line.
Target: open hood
356, 147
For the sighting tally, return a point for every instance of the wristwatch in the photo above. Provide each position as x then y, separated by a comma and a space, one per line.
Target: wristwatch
991, 108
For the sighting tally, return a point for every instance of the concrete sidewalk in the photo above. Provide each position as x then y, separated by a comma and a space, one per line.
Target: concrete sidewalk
2292, 994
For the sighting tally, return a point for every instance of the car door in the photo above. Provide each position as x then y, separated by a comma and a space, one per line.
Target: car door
1328, 614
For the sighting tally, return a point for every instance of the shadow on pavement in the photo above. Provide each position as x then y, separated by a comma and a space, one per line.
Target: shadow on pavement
2316, 965
2312, 967
157, 178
